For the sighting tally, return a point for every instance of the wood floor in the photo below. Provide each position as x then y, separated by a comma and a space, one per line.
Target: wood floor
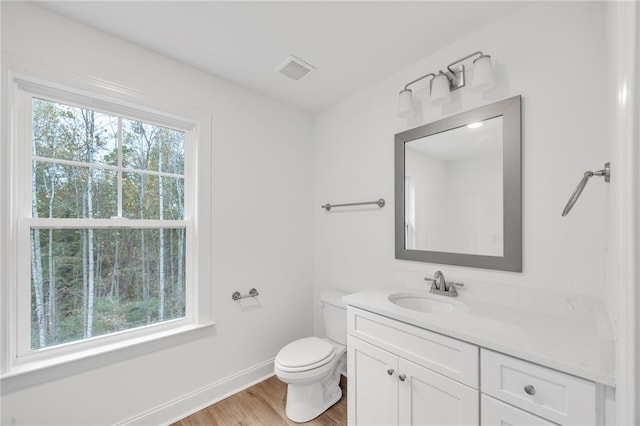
263, 404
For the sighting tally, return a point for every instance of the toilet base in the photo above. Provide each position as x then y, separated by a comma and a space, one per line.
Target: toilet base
311, 392
307, 401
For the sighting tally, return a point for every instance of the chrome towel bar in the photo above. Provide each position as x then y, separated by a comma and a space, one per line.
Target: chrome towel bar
252, 293
379, 202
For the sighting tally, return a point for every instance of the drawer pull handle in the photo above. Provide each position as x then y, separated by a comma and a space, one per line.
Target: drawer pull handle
530, 390
402, 377
390, 371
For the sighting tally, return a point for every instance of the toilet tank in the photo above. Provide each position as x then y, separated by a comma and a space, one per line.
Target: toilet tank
334, 313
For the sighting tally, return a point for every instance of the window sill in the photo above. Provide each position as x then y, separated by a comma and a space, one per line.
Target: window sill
38, 372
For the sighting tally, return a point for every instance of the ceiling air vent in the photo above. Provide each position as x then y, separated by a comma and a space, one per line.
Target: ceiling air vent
294, 68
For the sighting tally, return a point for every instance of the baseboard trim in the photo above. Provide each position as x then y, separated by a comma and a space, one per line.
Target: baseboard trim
195, 401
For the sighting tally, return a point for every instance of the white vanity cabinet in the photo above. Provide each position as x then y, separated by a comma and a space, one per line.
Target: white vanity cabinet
401, 374
404, 374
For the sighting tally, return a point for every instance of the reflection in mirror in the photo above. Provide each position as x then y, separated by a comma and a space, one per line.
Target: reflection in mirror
453, 190
458, 189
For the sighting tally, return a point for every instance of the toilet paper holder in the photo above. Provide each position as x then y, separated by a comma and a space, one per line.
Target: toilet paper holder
252, 293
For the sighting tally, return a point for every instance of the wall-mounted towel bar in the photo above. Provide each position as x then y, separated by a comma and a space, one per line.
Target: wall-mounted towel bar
379, 202
252, 293
606, 172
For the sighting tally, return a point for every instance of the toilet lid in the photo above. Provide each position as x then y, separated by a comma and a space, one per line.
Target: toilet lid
304, 352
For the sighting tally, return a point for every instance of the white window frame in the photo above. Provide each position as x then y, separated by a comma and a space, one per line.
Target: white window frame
20, 365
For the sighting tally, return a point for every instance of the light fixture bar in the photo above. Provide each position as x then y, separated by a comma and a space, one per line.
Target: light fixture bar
445, 82
469, 56
406, 86
456, 76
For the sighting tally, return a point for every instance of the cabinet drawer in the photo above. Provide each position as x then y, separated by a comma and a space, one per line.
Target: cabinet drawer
450, 357
494, 412
556, 396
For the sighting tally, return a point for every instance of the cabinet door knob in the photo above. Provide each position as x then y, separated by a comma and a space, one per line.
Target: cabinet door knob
402, 377
390, 371
530, 390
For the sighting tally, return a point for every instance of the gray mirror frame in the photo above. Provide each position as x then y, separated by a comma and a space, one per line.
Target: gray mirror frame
510, 110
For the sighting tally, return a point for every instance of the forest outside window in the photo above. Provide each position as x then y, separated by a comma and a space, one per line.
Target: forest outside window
107, 222
90, 278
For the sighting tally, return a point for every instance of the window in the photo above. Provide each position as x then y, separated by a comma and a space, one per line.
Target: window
105, 198
89, 278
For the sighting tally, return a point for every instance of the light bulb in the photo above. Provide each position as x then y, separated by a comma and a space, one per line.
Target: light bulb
440, 93
405, 104
483, 78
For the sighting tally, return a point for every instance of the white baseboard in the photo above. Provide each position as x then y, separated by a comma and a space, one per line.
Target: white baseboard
195, 401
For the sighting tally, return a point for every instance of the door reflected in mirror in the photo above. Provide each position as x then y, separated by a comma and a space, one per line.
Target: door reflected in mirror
453, 190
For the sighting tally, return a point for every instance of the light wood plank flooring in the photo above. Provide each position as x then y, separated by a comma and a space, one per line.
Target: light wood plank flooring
263, 404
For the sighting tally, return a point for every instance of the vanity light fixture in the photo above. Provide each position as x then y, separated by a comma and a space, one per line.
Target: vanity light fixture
475, 125
442, 84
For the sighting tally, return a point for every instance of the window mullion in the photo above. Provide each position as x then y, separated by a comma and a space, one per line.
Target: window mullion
114, 223
119, 178
73, 163
152, 173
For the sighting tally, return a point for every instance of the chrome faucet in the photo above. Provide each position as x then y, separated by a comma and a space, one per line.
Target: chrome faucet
443, 287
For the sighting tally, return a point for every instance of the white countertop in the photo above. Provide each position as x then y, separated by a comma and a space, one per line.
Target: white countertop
575, 340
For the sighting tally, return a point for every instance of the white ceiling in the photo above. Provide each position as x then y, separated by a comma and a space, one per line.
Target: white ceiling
351, 44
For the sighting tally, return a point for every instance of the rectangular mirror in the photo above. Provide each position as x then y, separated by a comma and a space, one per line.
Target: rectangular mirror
458, 189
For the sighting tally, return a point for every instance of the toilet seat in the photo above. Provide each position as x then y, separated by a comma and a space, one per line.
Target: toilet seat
304, 355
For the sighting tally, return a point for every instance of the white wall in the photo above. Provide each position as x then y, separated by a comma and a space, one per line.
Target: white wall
552, 54
262, 225
473, 205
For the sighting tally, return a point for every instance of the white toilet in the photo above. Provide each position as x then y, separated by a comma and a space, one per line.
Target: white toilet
311, 366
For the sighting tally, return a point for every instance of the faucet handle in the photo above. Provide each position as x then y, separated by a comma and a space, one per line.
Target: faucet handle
433, 282
452, 287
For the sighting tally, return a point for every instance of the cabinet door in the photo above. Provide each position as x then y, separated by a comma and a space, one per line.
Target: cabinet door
428, 398
372, 385
495, 412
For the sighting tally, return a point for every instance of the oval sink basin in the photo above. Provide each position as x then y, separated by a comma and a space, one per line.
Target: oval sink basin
427, 304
